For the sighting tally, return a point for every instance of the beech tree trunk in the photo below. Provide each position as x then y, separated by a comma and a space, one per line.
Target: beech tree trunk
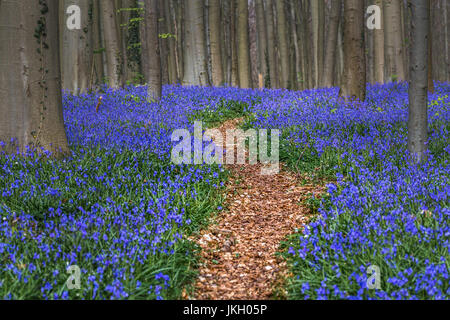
215, 43
271, 45
154, 80
112, 43
282, 31
30, 78
331, 44
172, 62
144, 45
163, 42
305, 39
354, 78
243, 45
297, 53
393, 46
76, 50
262, 38
317, 13
378, 53
233, 44
125, 15
227, 45
418, 84
195, 68
97, 75
430, 51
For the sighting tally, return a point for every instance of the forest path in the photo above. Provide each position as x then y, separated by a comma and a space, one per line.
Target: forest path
239, 259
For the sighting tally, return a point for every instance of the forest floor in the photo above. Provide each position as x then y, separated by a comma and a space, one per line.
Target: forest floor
239, 249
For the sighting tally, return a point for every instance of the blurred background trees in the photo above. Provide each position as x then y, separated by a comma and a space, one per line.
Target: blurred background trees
294, 44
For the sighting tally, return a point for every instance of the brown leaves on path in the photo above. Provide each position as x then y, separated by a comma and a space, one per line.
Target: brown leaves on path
239, 259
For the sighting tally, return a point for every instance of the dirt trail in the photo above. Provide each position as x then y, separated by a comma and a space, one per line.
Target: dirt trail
238, 251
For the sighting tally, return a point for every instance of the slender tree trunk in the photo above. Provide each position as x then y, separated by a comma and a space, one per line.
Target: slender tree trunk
125, 17
378, 54
163, 42
271, 45
112, 43
76, 50
233, 41
354, 78
30, 77
283, 42
418, 90
172, 63
446, 37
195, 68
331, 44
297, 53
178, 8
154, 80
253, 44
393, 40
438, 40
144, 44
243, 45
305, 44
97, 75
262, 38
430, 51
216, 48
227, 42
317, 11
340, 52
315, 31
321, 41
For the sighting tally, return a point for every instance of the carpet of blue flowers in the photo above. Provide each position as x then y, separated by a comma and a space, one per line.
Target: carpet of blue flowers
381, 210
119, 210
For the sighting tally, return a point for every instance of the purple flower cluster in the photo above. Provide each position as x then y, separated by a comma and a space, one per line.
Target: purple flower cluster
383, 210
118, 208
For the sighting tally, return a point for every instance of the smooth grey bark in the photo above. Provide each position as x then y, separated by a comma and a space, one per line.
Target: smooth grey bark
144, 44
97, 74
317, 13
77, 49
243, 49
262, 38
124, 36
378, 53
215, 43
113, 48
331, 44
297, 54
195, 68
233, 45
172, 62
430, 50
271, 44
154, 81
418, 84
282, 31
305, 39
227, 54
163, 42
393, 40
178, 9
30, 78
446, 37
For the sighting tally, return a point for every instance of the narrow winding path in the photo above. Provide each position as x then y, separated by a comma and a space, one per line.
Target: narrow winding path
239, 249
